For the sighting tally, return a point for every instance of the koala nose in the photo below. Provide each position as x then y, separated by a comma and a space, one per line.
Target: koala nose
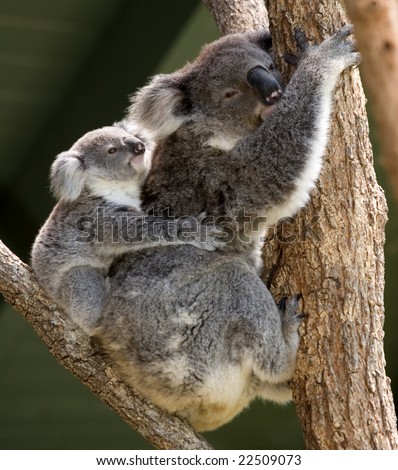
135, 145
265, 85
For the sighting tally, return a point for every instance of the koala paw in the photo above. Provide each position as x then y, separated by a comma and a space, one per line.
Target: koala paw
336, 49
301, 40
210, 238
341, 50
302, 44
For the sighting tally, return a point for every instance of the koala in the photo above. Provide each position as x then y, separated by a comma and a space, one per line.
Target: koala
97, 219
198, 332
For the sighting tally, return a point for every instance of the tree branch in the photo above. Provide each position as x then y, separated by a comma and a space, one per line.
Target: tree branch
376, 30
77, 353
236, 16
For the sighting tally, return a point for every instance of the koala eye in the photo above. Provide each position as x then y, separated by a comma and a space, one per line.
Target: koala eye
111, 150
229, 93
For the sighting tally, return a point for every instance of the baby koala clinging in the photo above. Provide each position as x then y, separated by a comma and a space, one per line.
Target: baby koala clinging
98, 218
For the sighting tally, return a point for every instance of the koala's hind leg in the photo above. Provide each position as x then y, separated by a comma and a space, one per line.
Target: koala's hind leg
271, 345
291, 318
82, 294
281, 392
278, 393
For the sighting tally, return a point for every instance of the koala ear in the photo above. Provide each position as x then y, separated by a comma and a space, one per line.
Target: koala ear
160, 107
262, 38
67, 176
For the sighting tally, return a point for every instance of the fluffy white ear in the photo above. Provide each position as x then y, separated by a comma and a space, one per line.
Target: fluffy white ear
160, 107
67, 176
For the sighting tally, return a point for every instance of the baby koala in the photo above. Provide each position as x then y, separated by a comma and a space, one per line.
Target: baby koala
98, 218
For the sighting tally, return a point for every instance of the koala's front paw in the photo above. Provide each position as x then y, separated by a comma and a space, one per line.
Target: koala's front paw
212, 238
339, 50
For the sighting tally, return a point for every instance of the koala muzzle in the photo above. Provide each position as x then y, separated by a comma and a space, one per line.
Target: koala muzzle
265, 85
134, 144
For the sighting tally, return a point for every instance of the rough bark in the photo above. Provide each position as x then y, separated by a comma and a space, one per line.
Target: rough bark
77, 353
235, 16
343, 396
376, 30
332, 253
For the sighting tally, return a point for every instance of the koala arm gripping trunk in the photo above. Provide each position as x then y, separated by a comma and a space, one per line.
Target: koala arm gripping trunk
284, 155
286, 151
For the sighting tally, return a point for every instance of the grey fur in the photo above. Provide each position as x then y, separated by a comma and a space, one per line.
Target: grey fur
98, 219
198, 332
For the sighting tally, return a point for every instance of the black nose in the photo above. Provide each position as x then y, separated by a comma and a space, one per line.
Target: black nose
265, 84
136, 145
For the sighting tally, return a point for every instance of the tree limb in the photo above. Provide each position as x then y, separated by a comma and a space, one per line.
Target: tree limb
376, 30
236, 16
77, 353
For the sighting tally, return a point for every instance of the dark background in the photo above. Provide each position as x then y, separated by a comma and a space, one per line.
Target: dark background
66, 67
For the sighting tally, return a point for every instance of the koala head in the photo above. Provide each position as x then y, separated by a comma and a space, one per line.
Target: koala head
229, 88
109, 154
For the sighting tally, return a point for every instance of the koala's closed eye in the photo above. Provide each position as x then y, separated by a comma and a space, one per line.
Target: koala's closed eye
231, 92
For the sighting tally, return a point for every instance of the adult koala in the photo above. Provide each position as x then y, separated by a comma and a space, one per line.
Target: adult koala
198, 332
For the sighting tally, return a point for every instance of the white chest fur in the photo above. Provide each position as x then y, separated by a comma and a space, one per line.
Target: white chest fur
118, 192
305, 182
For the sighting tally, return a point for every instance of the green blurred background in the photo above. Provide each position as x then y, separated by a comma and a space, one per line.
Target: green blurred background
66, 67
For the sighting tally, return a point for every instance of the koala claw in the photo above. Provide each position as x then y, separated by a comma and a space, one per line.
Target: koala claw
302, 45
282, 304
290, 58
344, 32
289, 306
335, 46
339, 47
210, 238
301, 39
201, 217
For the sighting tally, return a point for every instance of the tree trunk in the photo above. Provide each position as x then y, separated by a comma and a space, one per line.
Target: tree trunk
332, 253
74, 351
343, 396
376, 30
